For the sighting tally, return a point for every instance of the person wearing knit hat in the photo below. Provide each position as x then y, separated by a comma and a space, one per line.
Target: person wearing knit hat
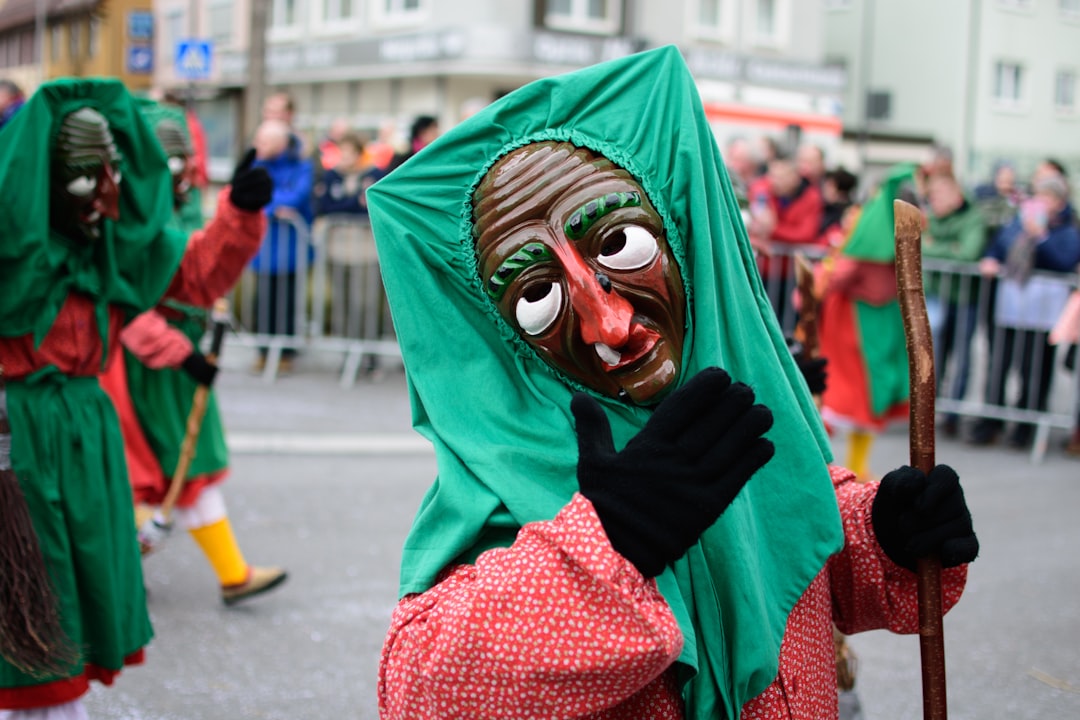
634, 514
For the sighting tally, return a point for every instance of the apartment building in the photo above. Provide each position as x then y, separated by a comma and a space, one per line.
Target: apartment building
758, 62
42, 39
990, 79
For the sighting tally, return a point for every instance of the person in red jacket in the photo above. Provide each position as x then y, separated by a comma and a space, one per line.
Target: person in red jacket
785, 209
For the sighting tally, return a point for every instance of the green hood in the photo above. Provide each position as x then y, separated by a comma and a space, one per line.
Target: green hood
188, 217
873, 238
499, 416
132, 262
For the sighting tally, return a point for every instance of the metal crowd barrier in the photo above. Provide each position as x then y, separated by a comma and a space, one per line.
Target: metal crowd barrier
350, 314
990, 342
332, 300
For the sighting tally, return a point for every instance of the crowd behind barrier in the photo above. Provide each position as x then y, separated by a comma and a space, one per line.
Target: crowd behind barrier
992, 357
333, 302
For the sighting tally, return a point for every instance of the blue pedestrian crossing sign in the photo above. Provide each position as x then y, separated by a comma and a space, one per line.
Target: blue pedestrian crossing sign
193, 59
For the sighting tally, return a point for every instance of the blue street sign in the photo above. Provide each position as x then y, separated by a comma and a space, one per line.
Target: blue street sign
193, 59
140, 59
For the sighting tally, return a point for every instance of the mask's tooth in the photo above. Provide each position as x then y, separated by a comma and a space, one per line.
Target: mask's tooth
609, 355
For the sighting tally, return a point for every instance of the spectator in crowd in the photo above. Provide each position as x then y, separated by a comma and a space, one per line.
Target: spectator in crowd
837, 195
379, 153
742, 167
999, 198
1044, 236
344, 186
939, 161
785, 208
280, 254
425, 128
1067, 332
767, 149
956, 231
280, 107
11, 99
329, 150
810, 162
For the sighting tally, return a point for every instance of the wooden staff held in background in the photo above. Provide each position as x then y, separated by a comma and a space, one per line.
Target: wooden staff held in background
155, 529
920, 349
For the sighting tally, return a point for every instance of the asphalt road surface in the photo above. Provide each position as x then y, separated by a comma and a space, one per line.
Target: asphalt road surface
325, 482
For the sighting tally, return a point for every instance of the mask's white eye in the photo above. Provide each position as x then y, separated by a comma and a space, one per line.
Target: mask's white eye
537, 309
176, 164
631, 249
82, 186
117, 177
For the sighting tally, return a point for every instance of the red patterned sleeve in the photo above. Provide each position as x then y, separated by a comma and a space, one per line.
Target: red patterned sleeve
217, 254
557, 625
870, 591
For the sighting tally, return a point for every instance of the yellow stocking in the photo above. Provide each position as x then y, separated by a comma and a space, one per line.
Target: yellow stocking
859, 444
219, 545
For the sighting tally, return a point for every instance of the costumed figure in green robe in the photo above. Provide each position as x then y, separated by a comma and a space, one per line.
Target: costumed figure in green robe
153, 390
634, 514
861, 331
87, 197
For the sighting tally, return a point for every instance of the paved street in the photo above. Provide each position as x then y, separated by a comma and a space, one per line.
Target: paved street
325, 481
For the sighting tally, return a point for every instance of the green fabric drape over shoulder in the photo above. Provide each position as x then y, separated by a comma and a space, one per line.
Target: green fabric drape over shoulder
499, 416
131, 264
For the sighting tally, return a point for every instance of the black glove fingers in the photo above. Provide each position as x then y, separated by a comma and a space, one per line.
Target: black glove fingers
731, 479
245, 162
722, 451
729, 414
959, 551
687, 404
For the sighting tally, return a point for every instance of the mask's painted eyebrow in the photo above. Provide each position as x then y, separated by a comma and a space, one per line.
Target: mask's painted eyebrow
583, 218
527, 256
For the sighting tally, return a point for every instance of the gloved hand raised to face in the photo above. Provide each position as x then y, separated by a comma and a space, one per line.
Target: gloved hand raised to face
252, 187
679, 473
917, 515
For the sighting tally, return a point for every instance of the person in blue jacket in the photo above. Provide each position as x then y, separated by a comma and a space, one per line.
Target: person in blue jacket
281, 256
1043, 236
344, 186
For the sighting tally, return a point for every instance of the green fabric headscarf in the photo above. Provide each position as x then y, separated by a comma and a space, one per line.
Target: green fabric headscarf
189, 217
499, 416
132, 262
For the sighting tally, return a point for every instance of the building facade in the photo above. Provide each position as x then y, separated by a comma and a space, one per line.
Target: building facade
44, 39
993, 80
759, 63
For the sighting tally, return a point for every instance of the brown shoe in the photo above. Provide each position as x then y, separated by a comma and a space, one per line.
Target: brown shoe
260, 579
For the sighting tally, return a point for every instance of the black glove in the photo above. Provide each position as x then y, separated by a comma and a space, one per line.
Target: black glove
252, 187
199, 368
916, 516
812, 369
679, 473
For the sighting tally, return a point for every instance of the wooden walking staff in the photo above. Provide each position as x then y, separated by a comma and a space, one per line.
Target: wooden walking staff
920, 349
154, 531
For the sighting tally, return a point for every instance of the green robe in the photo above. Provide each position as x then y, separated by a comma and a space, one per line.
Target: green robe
499, 416
67, 450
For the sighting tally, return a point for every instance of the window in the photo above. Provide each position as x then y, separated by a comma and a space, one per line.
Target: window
56, 39
1021, 5
93, 38
712, 19
1008, 83
219, 17
1065, 91
283, 14
771, 22
74, 31
592, 16
395, 13
335, 16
